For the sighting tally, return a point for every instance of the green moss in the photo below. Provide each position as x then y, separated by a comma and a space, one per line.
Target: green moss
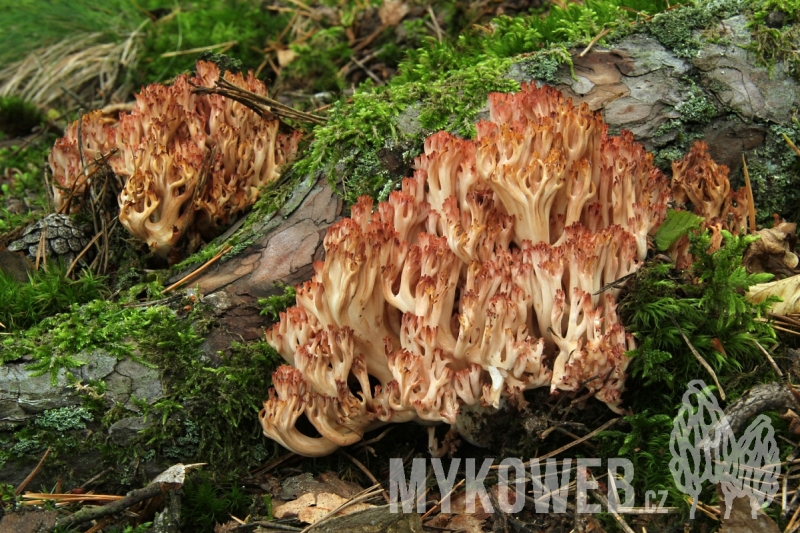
708, 306
23, 164
775, 25
209, 411
774, 169
695, 107
272, 306
46, 293
214, 22
443, 86
674, 29
63, 419
18, 117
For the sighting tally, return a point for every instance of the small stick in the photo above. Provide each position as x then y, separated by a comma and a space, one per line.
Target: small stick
32, 475
358, 498
91, 513
435, 24
770, 359
83, 252
446, 496
793, 332
371, 74
791, 526
594, 41
575, 442
789, 141
98, 476
366, 471
751, 208
191, 276
227, 44
604, 501
41, 253
700, 359
785, 319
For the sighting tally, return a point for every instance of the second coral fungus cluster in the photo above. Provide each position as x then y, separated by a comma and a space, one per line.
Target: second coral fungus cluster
189, 162
483, 277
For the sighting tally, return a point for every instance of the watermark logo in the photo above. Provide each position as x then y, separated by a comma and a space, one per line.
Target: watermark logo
702, 443
705, 449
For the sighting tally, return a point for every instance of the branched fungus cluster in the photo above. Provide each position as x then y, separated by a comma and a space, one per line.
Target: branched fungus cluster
701, 182
483, 277
189, 162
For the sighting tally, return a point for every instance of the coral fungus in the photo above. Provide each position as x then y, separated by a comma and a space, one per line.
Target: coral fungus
189, 161
483, 277
698, 180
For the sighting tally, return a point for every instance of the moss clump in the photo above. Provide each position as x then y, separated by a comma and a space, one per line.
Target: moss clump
18, 117
707, 304
208, 413
776, 33
774, 169
46, 293
674, 29
444, 85
22, 194
695, 107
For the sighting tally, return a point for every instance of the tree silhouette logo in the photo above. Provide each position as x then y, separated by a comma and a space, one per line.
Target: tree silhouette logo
705, 449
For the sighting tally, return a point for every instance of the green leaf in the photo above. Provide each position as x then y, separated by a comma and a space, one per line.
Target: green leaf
677, 224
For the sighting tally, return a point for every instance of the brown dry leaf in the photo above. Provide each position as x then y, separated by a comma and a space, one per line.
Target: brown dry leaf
311, 508
773, 252
228, 527
392, 12
787, 289
741, 520
458, 505
463, 523
286, 56
794, 421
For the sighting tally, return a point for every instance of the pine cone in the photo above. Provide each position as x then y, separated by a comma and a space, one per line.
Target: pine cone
64, 239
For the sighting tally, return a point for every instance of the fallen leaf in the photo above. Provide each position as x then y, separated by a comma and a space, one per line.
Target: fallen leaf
773, 252
794, 421
286, 56
392, 12
787, 290
310, 508
741, 521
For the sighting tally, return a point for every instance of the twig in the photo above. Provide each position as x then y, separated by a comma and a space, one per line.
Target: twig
367, 473
785, 318
41, 252
365, 443
594, 41
700, 359
371, 74
573, 443
435, 24
226, 45
273, 525
751, 208
790, 143
770, 359
614, 284
32, 475
80, 255
225, 249
604, 501
256, 102
92, 513
793, 332
358, 498
98, 476
446, 496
